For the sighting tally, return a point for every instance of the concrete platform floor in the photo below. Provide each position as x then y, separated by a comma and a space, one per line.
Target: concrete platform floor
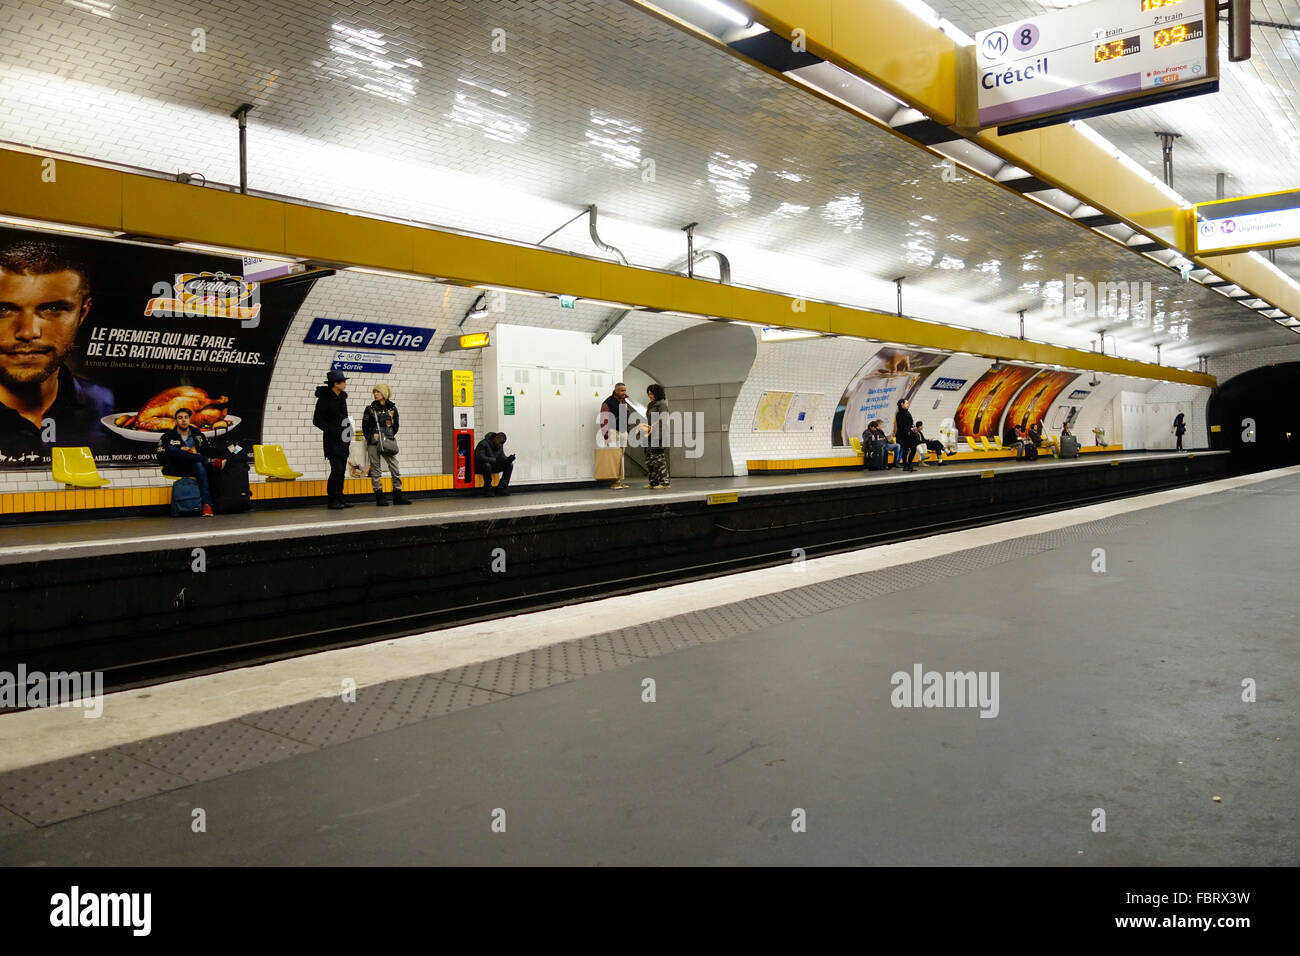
1118, 691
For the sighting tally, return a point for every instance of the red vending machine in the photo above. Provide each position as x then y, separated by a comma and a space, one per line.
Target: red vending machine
458, 426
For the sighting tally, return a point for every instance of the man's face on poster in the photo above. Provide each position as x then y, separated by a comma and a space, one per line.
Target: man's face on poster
39, 318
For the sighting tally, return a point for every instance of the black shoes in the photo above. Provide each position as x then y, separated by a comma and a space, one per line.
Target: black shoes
401, 499
502, 492
336, 506
380, 499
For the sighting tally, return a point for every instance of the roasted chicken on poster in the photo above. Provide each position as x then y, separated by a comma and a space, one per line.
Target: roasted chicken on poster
159, 413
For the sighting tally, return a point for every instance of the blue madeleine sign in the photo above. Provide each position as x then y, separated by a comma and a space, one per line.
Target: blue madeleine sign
336, 332
949, 384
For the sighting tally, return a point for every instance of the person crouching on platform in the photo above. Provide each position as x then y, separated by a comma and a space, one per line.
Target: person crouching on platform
379, 424
184, 451
490, 458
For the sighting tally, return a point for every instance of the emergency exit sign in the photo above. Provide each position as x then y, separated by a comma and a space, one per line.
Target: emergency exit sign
568, 301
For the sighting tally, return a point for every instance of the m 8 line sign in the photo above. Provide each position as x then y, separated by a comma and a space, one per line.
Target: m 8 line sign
1095, 58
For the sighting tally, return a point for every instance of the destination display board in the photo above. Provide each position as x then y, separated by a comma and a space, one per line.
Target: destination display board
1266, 221
1099, 57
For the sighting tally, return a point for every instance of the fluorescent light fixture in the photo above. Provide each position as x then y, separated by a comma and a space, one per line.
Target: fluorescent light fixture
390, 274
508, 291
610, 305
58, 227
241, 253
724, 11
780, 334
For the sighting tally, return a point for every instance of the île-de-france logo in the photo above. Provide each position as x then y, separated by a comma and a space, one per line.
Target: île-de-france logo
216, 295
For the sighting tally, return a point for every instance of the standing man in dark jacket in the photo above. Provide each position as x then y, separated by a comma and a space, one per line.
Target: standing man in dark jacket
616, 419
332, 418
904, 435
1180, 429
489, 457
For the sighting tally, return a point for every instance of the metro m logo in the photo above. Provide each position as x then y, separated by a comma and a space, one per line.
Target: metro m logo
994, 45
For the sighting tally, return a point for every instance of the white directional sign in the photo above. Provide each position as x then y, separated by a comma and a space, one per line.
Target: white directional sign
1096, 57
1267, 221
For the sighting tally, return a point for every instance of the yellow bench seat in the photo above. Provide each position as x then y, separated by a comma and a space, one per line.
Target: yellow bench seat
75, 468
270, 462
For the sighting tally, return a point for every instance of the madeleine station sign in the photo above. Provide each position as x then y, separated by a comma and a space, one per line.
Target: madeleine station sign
1095, 58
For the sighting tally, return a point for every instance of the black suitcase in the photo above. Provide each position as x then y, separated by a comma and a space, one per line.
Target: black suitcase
1031, 452
230, 494
1069, 446
873, 457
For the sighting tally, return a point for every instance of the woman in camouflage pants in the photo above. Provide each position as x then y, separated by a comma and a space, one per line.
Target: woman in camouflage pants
656, 451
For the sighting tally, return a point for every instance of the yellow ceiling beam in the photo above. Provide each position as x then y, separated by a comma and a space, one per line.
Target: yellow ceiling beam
889, 46
86, 195
878, 38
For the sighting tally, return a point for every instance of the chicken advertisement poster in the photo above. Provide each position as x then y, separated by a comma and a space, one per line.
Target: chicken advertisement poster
102, 342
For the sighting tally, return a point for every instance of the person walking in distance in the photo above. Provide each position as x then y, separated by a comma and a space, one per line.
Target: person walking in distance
656, 449
379, 424
905, 434
1180, 429
331, 417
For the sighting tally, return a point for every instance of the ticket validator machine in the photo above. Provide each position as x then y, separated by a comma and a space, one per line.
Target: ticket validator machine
458, 427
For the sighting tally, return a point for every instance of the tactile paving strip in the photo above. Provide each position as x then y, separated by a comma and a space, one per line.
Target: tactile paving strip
326, 721
13, 823
79, 785
75, 786
207, 753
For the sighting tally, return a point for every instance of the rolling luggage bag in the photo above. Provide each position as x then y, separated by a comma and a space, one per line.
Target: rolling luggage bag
873, 457
1031, 452
230, 493
1069, 446
186, 499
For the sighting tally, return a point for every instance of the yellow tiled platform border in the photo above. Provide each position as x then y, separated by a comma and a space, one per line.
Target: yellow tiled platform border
849, 461
90, 499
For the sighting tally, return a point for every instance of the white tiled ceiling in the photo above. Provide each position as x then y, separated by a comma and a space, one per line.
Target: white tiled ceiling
803, 197
1250, 129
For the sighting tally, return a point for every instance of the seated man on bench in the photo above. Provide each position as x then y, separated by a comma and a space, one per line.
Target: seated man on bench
184, 451
928, 444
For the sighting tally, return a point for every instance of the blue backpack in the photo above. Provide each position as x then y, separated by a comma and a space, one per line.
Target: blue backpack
186, 499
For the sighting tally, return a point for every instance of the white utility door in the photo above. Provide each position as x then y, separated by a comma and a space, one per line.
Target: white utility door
524, 428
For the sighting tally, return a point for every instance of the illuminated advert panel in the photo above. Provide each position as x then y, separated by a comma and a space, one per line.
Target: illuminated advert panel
1099, 57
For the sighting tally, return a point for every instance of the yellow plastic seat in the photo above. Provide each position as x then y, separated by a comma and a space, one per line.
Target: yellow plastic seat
75, 468
856, 445
269, 461
993, 444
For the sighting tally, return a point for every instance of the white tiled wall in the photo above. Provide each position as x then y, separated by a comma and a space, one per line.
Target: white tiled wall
415, 377
822, 365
